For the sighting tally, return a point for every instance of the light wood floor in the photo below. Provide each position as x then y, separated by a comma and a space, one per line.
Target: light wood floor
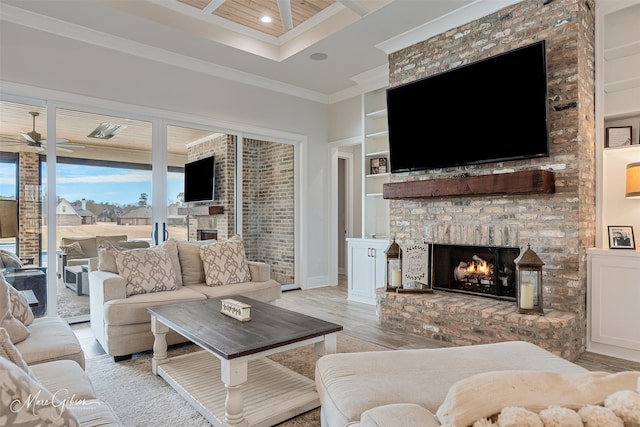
359, 320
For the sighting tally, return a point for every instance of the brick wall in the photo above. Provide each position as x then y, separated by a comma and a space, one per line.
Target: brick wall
268, 206
267, 197
559, 227
223, 148
29, 206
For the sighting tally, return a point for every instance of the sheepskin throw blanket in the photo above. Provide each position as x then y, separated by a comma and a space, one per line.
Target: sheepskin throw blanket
543, 399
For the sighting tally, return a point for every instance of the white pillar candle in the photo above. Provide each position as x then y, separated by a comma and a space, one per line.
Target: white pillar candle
396, 277
526, 295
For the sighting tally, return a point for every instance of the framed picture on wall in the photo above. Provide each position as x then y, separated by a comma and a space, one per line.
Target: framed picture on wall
618, 136
621, 237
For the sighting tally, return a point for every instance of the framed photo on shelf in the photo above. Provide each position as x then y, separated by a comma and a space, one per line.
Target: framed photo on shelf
621, 237
378, 165
618, 136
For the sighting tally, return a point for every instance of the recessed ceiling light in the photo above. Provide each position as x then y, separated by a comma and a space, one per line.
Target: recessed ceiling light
266, 19
318, 56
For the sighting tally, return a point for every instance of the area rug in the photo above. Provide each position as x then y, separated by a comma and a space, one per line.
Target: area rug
142, 399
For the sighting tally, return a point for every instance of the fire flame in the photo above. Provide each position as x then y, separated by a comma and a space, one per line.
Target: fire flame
480, 268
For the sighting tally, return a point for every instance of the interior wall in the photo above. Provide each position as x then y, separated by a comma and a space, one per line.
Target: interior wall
92, 75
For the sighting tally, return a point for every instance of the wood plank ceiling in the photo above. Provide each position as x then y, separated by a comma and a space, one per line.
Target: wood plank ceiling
248, 12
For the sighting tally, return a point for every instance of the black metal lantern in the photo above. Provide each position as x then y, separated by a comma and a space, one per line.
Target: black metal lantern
394, 266
529, 277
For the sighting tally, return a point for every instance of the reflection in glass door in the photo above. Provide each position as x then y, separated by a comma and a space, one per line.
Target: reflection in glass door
194, 220
104, 190
22, 142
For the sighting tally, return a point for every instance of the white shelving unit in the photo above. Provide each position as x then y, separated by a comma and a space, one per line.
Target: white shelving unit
375, 155
612, 275
617, 104
367, 269
612, 301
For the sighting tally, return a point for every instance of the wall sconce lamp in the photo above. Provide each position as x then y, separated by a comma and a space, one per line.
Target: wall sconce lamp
633, 181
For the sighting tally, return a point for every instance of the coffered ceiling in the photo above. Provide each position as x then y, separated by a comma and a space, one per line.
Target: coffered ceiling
285, 15
326, 53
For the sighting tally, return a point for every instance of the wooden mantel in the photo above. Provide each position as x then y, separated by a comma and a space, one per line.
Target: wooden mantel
523, 182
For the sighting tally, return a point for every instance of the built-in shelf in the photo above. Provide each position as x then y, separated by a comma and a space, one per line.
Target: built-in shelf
523, 182
378, 153
376, 135
377, 175
379, 114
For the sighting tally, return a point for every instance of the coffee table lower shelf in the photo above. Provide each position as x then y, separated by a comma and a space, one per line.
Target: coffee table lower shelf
272, 393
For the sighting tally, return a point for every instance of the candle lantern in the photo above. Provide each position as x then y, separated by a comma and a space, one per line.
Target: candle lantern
529, 282
394, 266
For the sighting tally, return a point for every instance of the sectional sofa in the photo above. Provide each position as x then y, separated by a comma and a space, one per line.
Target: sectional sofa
459, 386
42, 376
203, 269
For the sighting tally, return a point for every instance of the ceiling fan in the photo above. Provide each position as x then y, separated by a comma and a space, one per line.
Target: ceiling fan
33, 138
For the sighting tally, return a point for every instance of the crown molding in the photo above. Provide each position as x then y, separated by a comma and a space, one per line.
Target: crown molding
76, 32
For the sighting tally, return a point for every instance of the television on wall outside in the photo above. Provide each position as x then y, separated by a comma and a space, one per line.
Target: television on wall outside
199, 179
492, 110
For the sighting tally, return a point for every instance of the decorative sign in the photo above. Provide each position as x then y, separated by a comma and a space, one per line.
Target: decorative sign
415, 265
236, 309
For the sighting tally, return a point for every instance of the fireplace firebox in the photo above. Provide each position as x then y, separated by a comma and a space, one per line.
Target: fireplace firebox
487, 271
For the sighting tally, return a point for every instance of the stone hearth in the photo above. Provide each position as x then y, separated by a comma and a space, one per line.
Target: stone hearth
466, 320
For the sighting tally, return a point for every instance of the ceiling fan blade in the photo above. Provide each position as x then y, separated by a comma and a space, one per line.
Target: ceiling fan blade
58, 141
28, 137
58, 148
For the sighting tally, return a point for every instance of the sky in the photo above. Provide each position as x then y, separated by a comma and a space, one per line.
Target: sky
97, 183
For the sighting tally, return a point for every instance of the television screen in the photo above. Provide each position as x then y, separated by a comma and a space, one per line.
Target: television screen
199, 178
487, 111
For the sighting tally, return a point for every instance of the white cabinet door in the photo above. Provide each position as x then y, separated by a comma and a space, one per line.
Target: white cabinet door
614, 303
367, 269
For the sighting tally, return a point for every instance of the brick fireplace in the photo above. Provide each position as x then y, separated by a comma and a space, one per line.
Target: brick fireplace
559, 225
486, 271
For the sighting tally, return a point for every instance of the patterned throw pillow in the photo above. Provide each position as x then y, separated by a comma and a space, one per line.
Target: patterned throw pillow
20, 307
107, 250
27, 402
225, 263
146, 270
74, 250
9, 351
17, 331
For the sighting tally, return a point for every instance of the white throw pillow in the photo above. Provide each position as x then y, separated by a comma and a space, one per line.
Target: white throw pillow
146, 270
190, 263
225, 263
172, 249
20, 307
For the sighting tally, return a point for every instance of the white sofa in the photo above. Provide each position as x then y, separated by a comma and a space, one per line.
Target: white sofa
425, 387
121, 323
41, 359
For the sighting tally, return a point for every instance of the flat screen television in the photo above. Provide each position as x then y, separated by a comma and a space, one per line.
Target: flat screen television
491, 110
199, 178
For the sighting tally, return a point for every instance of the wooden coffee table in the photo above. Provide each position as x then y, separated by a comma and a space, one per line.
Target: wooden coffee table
231, 382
